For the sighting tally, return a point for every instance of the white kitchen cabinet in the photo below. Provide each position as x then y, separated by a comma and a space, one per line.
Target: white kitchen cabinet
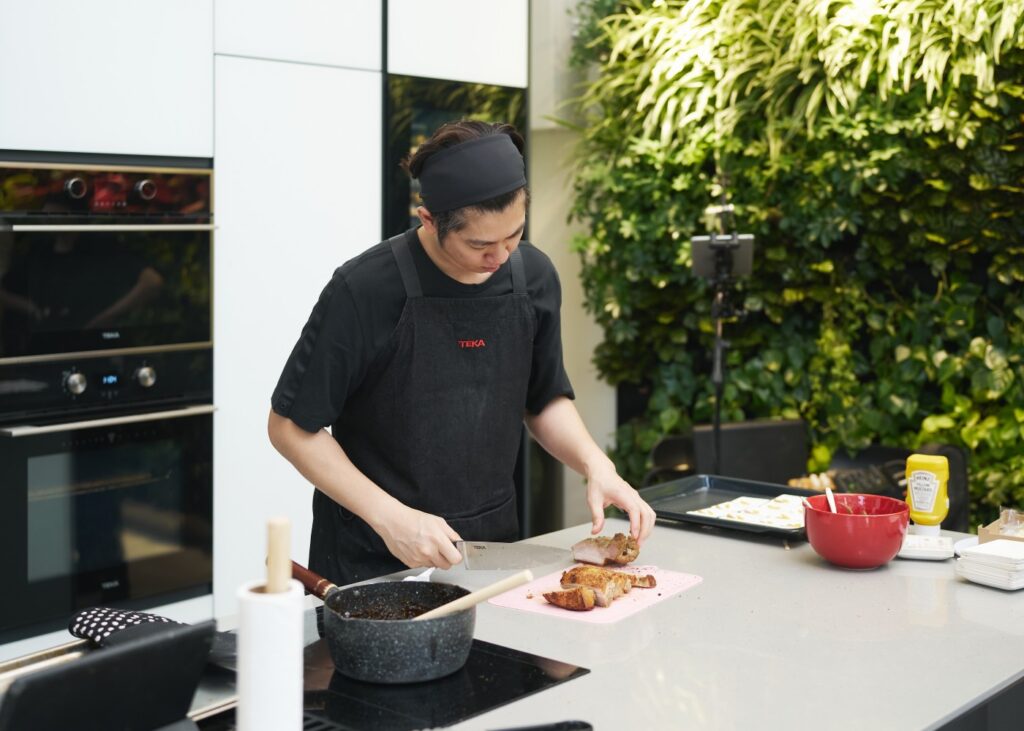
463, 40
325, 32
297, 193
118, 76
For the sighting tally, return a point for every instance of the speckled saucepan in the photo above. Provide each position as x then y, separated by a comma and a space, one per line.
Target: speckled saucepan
372, 637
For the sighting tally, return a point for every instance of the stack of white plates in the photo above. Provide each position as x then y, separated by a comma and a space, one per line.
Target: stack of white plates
998, 563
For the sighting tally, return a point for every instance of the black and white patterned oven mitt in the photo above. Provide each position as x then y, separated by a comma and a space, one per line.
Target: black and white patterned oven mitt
102, 625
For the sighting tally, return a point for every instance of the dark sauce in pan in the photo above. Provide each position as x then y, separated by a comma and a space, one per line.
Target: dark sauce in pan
407, 611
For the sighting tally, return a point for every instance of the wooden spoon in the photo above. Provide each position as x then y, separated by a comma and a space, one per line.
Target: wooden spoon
480, 595
831, 499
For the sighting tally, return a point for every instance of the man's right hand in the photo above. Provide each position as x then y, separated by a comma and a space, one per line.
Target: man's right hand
419, 539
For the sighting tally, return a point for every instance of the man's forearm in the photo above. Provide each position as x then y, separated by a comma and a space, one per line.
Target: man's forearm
322, 461
562, 433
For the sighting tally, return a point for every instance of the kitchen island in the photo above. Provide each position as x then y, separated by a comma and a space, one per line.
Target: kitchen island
773, 638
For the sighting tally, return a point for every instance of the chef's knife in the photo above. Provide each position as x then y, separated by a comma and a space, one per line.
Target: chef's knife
493, 556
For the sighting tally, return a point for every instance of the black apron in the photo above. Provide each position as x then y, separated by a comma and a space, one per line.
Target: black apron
437, 422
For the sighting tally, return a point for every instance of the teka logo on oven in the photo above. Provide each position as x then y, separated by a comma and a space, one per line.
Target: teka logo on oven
478, 343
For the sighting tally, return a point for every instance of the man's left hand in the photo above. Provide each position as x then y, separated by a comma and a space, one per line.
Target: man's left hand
607, 488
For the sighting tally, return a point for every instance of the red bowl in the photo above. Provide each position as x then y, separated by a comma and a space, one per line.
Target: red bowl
867, 531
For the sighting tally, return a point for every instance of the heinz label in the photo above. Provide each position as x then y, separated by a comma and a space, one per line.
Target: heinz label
923, 487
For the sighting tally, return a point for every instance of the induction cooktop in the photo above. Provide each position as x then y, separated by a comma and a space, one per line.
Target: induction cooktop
492, 676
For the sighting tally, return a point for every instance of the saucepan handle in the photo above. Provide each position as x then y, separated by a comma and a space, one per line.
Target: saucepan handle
315, 584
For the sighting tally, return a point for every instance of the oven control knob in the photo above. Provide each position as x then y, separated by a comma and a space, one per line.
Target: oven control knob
76, 188
75, 383
145, 376
145, 190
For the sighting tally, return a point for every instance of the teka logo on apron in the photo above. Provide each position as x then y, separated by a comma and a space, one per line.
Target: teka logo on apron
479, 343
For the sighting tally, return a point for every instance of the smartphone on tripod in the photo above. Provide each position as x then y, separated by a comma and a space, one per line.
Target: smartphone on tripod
705, 251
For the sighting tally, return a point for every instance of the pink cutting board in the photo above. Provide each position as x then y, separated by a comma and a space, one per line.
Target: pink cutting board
530, 597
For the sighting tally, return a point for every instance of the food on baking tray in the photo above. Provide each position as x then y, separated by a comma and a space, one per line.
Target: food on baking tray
619, 549
578, 599
785, 511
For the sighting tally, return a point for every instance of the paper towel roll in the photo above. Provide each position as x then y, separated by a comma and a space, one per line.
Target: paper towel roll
270, 658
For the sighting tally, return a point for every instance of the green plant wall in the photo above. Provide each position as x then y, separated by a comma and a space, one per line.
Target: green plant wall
876, 149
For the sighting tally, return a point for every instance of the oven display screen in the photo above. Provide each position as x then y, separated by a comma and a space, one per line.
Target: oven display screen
110, 194
110, 380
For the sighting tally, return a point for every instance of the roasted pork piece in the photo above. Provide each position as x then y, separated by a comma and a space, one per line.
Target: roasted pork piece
585, 586
647, 581
578, 599
607, 585
619, 549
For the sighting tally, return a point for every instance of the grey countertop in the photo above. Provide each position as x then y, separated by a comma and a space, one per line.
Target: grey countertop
773, 638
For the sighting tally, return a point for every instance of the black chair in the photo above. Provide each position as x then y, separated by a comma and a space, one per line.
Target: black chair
881, 469
671, 458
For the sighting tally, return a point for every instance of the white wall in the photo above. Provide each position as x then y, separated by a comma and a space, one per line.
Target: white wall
551, 159
297, 193
550, 166
121, 76
552, 83
463, 40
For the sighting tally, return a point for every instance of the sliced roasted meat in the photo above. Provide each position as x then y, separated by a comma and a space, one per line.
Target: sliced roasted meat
578, 598
608, 585
647, 581
619, 549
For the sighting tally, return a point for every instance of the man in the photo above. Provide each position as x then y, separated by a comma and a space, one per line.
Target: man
425, 354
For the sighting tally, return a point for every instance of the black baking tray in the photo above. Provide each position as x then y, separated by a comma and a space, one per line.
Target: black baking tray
673, 500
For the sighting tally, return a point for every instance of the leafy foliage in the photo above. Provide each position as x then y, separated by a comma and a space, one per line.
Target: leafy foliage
876, 149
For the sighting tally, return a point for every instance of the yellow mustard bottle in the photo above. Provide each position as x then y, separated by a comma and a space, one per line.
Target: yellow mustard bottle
927, 475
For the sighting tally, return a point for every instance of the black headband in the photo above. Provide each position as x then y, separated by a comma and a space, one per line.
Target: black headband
471, 172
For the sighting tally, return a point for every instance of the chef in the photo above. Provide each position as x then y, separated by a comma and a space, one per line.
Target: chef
424, 354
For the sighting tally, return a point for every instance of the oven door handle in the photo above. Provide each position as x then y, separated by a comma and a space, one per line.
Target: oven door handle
155, 227
31, 430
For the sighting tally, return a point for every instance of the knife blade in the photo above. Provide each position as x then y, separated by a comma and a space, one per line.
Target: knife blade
496, 556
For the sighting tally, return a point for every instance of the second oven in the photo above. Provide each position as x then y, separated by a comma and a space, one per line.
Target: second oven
106, 511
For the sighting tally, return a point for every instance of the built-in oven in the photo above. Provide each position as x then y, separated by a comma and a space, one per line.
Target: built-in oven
106, 388
104, 511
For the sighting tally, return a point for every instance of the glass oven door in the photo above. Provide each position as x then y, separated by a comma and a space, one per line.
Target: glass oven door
115, 511
76, 288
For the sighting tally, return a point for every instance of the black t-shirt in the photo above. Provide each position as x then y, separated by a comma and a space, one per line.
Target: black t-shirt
359, 309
